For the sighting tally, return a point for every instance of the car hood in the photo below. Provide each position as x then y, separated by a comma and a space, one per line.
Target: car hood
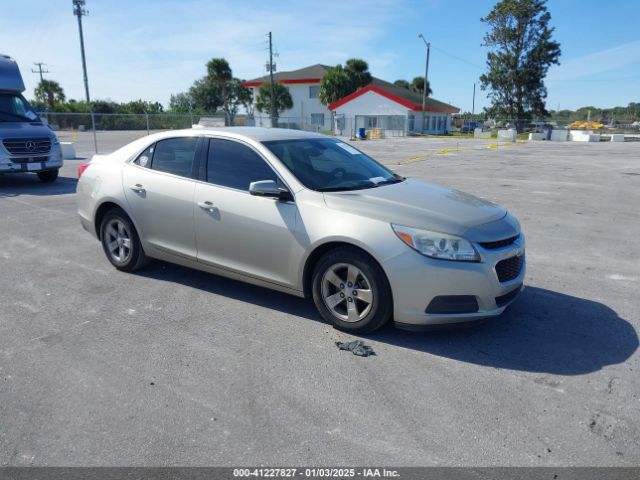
24, 129
428, 206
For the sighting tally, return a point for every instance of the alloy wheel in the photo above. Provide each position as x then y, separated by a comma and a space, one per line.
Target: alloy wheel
346, 292
118, 240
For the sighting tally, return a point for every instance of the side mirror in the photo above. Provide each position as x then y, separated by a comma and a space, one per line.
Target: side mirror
269, 188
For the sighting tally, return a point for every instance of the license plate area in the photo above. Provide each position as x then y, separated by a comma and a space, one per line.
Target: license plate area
23, 160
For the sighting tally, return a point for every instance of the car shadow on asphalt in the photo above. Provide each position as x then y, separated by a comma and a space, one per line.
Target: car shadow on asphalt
237, 290
542, 331
15, 184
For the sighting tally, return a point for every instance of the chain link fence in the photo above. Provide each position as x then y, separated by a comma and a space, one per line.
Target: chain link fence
128, 127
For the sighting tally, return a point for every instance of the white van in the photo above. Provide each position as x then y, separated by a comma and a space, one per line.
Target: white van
26, 143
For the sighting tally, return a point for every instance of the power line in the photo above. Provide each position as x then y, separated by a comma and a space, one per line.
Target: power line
39, 70
457, 58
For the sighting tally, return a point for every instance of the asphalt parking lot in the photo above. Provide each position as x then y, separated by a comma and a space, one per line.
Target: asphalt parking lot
175, 367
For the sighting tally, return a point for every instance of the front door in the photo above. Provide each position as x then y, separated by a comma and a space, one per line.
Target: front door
236, 230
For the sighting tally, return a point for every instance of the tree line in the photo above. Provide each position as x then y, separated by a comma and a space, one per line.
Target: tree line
520, 51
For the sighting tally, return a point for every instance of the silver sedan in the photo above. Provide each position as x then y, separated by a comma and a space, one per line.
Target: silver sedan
309, 215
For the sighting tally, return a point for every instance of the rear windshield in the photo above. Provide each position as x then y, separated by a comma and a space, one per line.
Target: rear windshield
327, 164
14, 108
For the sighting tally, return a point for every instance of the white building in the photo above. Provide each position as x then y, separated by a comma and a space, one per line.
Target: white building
303, 85
395, 110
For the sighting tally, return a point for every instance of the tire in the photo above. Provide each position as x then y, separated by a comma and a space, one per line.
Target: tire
356, 310
48, 176
120, 241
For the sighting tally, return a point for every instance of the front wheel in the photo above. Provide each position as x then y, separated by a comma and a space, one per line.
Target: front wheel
351, 291
120, 241
48, 176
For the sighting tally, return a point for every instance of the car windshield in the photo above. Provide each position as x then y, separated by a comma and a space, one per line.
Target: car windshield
329, 165
14, 108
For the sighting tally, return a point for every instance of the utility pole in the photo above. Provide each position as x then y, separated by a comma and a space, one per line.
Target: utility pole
273, 92
40, 70
426, 79
473, 103
79, 11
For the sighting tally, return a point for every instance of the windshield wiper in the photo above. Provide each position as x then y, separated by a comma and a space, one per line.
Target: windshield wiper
391, 181
345, 189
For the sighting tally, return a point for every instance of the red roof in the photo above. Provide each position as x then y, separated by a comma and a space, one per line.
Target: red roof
400, 95
312, 74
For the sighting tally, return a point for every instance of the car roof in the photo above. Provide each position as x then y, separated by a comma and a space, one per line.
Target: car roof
259, 134
256, 134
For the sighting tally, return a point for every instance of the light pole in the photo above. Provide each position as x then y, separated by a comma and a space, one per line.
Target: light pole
79, 11
426, 78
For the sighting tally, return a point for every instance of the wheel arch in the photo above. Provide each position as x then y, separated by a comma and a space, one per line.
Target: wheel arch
319, 251
102, 210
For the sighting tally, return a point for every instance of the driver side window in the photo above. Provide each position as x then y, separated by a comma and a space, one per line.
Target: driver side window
235, 165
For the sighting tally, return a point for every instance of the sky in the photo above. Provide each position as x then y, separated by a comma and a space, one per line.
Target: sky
150, 49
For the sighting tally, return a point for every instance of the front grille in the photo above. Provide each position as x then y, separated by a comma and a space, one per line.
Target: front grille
509, 269
499, 243
27, 146
502, 300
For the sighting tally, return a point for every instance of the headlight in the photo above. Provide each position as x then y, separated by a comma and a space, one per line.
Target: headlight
55, 141
437, 245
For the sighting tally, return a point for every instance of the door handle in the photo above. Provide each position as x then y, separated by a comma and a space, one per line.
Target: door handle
137, 188
210, 207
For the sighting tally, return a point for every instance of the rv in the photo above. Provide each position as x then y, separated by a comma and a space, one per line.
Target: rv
26, 143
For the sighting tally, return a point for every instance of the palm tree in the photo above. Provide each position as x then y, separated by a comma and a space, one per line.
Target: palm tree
417, 85
341, 81
335, 85
358, 71
282, 99
402, 83
49, 92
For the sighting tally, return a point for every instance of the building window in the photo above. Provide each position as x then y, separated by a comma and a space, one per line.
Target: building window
314, 91
317, 119
372, 122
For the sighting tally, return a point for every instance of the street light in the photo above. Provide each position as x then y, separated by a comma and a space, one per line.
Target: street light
79, 11
426, 79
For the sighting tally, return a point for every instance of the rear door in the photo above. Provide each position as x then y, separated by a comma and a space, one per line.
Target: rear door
159, 186
236, 230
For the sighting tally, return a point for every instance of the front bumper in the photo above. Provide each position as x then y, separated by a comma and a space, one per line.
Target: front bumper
37, 163
417, 280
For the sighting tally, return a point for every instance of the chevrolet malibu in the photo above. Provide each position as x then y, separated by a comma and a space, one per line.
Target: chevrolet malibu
309, 215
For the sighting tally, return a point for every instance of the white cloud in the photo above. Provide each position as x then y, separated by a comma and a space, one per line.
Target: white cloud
150, 50
587, 66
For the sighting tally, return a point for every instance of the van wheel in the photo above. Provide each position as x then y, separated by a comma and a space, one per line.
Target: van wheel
48, 176
120, 241
351, 291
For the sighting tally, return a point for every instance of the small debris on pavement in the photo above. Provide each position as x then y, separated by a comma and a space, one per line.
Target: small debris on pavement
357, 347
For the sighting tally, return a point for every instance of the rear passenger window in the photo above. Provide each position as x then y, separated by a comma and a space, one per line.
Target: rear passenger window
144, 159
234, 165
176, 156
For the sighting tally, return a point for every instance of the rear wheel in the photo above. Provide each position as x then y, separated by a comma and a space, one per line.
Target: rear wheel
351, 291
120, 241
48, 176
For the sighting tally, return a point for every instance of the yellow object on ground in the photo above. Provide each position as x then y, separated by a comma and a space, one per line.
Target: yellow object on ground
578, 125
